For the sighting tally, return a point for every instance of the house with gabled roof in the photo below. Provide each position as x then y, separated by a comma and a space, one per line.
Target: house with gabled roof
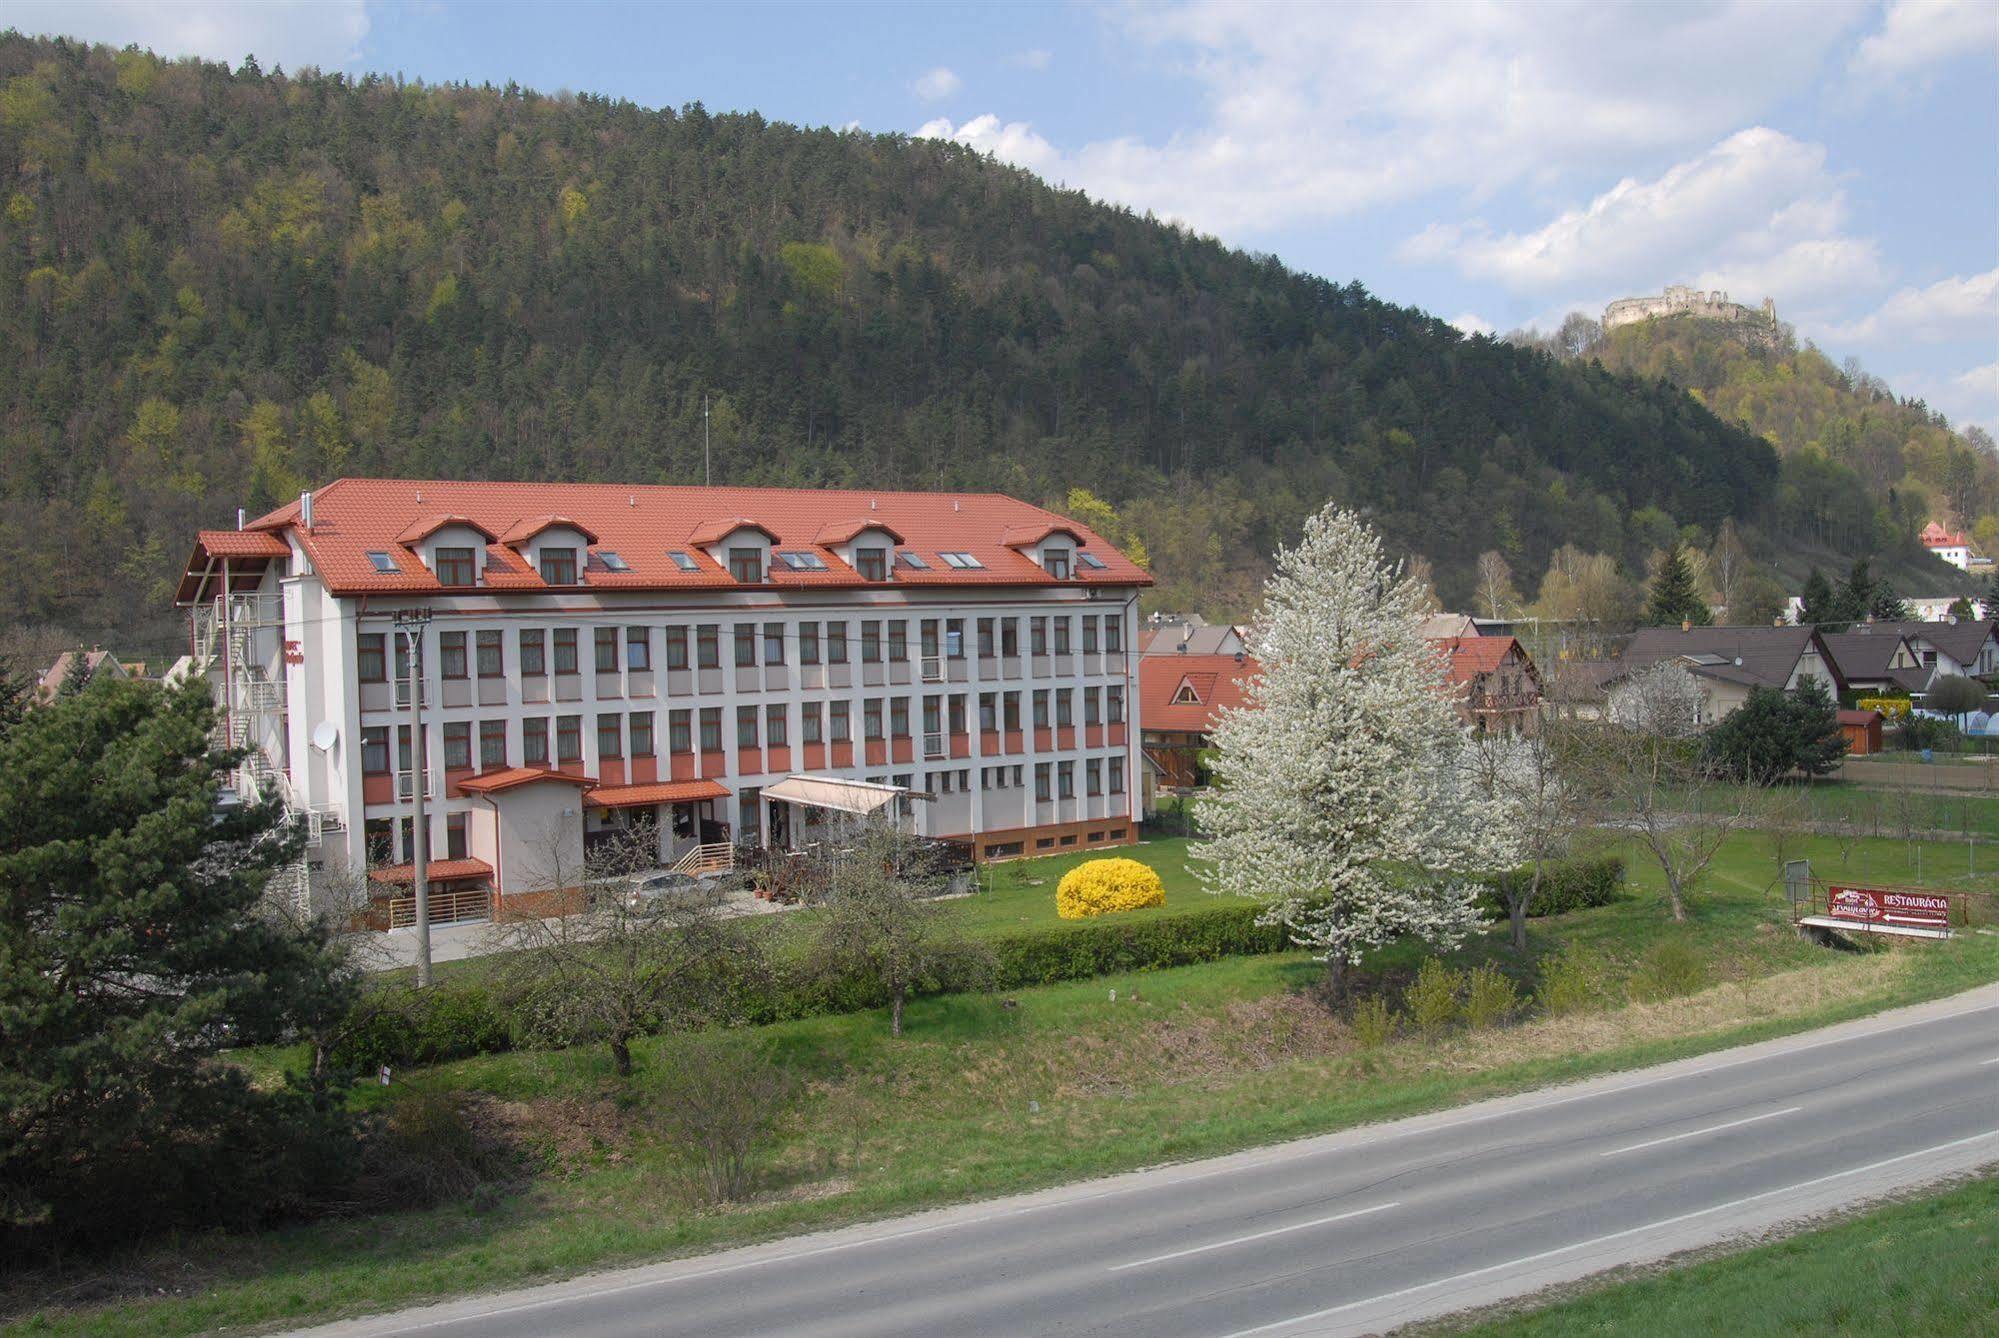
1497, 686
1728, 662
1179, 697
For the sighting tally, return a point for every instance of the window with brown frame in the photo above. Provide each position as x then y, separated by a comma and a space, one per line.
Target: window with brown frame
676, 648
457, 745
492, 660
533, 661
638, 649
746, 565
871, 563
565, 650
711, 729
839, 724
569, 738
746, 726
455, 566
610, 735
558, 566
641, 734
455, 845
680, 731
451, 655
375, 750
605, 640
777, 732
492, 745
534, 741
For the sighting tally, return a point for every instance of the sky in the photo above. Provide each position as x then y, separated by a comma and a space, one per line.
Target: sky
1499, 164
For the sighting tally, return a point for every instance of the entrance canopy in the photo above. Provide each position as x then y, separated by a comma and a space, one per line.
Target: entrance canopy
656, 792
837, 793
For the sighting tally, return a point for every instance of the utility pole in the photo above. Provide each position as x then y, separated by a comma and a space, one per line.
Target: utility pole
410, 623
707, 466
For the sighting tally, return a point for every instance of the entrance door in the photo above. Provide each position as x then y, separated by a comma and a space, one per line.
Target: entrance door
780, 825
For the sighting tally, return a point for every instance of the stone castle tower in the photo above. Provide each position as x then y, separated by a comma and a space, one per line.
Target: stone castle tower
1679, 300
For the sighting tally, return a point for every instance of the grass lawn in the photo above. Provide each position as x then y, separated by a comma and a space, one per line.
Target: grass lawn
989, 1096
1924, 1267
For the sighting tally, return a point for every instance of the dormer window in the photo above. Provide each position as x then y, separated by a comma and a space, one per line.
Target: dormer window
385, 563
456, 566
871, 563
558, 566
1055, 561
746, 565
1185, 695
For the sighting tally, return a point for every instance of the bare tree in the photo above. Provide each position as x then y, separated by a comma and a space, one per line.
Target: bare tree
631, 959
877, 887
1495, 589
1541, 806
1728, 567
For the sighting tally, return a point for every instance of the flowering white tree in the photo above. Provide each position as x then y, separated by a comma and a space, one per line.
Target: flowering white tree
1345, 789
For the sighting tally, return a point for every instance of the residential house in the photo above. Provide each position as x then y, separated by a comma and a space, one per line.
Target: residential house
1954, 547
1877, 658
1498, 687
1178, 698
1969, 649
1182, 636
1728, 662
77, 669
726, 666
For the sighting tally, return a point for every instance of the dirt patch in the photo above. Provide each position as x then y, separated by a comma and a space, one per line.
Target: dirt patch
1197, 1045
561, 1136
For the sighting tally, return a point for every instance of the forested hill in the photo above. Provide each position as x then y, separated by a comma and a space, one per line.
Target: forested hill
223, 285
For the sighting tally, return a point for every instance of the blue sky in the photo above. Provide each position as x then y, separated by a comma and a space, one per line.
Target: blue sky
1499, 164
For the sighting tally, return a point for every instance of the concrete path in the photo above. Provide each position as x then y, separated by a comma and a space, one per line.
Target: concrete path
1353, 1232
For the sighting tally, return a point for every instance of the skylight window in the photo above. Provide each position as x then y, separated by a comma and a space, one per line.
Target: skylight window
683, 561
612, 562
384, 562
963, 561
1091, 560
802, 561
911, 560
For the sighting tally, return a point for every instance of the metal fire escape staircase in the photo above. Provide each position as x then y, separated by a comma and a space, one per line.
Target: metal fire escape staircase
253, 712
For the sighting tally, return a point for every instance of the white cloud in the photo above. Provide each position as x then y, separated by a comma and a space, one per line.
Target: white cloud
1917, 34
1966, 398
1758, 214
291, 33
937, 83
1964, 306
1316, 113
1011, 142
1034, 59
1472, 323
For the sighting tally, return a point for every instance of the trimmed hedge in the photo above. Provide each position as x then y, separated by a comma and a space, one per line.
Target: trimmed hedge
452, 1020
1568, 885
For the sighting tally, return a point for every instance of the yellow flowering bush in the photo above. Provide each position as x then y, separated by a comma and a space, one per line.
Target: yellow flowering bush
1894, 708
1100, 886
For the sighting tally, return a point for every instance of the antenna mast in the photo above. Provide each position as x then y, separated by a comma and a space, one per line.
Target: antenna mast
707, 467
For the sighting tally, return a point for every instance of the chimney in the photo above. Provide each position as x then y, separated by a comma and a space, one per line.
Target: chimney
305, 510
240, 517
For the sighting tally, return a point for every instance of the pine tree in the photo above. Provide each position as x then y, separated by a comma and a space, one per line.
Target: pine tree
1344, 781
135, 947
1816, 604
1854, 599
1675, 596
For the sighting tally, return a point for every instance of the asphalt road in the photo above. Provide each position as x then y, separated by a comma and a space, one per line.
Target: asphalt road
1353, 1232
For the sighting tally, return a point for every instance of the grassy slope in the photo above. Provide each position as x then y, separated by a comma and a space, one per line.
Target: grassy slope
984, 1099
1930, 1266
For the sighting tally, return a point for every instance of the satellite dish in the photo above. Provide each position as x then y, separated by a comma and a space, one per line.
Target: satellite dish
324, 735
1738, 662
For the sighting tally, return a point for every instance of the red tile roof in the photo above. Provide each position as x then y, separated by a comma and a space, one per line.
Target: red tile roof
1475, 655
643, 524
658, 792
493, 782
1215, 680
840, 531
521, 530
1026, 536
424, 526
243, 544
437, 870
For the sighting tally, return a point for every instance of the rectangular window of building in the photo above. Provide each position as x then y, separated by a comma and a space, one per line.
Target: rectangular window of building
1093, 777
1009, 637
638, 648
871, 719
676, 648
1065, 713
746, 726
898, 641
375, 750
708, 646
1041, 708
1065, 780
1041, 772
933, 715
455, 846
955, 712
565, 650
451, 655
492, 660
534, 741
746, 565
605, 640
458, 745
642, 734
492, 745
1091, 711
871, 563
610, 735
711, 729
683, 560
1062, 635
898, 717
954, 638
746, 645
380, 834
808, 643
1010, 710
777, 732
1037, 636
569, 738
372, 658
1114, 633
988, 712
680, 731
1117, 775
456, 567
871, 641
836, 643
773, 643
987, 643
558, 566
403, 749
810, 724
1056, 561
1089, 634
532, 663
927, 638
839, 727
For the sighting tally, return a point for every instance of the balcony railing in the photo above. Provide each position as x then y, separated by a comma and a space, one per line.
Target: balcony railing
933, 746
406, 785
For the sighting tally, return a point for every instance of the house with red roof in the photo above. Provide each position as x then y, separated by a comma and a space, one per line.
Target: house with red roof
551, 664
1497, 686
1178, 698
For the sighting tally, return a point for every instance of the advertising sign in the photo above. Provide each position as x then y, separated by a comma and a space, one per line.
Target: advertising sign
1873, 905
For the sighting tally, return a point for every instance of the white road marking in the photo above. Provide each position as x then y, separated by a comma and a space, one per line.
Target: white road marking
1983, 1062
1615, 1235
1260, 1235
1696, 1133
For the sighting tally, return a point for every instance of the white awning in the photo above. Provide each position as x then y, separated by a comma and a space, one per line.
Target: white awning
834, 792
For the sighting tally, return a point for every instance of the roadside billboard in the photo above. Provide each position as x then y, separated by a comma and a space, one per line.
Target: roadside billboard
1874, 905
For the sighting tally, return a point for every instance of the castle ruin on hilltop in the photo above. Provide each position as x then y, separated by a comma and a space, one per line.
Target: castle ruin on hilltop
1680, 300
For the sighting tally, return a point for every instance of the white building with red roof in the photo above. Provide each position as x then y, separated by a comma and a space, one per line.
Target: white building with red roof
727, 662
1954, 547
